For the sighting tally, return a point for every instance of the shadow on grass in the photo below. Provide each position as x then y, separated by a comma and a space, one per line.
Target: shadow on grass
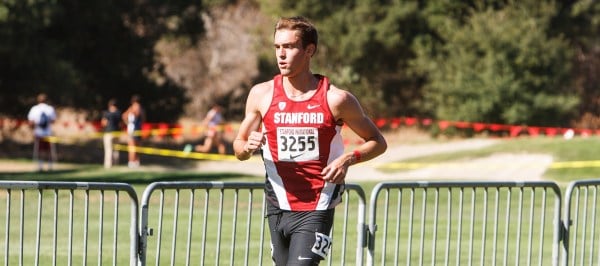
99, 174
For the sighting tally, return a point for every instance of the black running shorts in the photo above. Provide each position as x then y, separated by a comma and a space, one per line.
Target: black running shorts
300, 238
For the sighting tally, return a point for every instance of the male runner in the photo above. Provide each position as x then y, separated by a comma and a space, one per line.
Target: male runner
296, 119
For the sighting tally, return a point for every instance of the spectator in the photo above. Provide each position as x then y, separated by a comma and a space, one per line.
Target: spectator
134, 116
214, 134
111, 122
41, 116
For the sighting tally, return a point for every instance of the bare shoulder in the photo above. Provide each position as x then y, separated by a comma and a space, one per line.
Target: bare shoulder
260, 96
342, 102
262, 89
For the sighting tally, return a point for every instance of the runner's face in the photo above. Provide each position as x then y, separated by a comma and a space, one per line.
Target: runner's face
291, 57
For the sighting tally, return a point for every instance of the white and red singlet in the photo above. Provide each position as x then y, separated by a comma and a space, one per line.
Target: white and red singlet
302, 137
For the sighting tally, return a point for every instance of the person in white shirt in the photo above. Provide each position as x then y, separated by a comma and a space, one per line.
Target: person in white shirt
134, 117
41, 116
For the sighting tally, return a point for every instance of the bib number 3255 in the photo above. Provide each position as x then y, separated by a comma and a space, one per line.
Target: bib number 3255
297, 144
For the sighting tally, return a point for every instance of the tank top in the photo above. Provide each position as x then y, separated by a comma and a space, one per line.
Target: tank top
302, 137
134, 123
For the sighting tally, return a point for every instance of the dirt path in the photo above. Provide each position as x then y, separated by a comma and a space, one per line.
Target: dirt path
496, 167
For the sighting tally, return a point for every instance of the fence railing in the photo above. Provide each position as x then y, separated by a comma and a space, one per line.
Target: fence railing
464, 223
68, 223
190, 208
176, 219
581, 243
223, 223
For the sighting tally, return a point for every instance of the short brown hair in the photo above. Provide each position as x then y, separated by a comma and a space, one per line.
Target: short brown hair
135, 98
42, 98
306, 30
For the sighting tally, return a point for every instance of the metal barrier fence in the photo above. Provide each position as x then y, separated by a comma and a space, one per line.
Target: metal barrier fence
207, 222
223, 223
68, 223
464, 223
581, 243
205, 226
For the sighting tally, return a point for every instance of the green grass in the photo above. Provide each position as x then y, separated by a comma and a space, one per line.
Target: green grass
578, 149
140, 179
463, 216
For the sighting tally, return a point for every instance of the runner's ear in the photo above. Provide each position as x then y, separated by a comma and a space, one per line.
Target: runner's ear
310, 49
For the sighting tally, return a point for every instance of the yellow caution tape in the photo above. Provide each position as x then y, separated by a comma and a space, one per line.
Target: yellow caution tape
179, 154
218, 157
575, 164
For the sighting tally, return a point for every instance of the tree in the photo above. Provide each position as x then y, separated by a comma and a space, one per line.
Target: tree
83, 53
579, 22
365, 47
221, 66
498, 64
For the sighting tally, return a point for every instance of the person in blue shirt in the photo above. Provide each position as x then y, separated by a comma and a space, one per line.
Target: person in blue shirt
111, 123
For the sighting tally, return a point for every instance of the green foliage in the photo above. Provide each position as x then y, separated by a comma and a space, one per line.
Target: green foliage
364, 47
502, 61
497, 65
3, 12
84, 54
579, 22
496, 61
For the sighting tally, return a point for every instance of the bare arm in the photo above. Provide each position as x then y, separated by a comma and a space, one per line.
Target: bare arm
211, 113
136, 110
346, 108
125, 114
249, 139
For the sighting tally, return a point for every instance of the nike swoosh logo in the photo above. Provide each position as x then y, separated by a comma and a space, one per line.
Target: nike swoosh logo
312, 106
303, 258
292, 157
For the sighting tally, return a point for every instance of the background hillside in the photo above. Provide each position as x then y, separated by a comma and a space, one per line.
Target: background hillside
513, 62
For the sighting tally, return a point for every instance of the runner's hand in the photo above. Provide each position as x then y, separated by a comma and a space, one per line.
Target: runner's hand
255, 140
336, 171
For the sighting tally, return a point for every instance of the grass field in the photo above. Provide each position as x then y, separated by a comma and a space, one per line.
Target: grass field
575, 150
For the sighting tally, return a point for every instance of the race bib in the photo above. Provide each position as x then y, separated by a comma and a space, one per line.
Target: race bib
297, 144
322, 244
